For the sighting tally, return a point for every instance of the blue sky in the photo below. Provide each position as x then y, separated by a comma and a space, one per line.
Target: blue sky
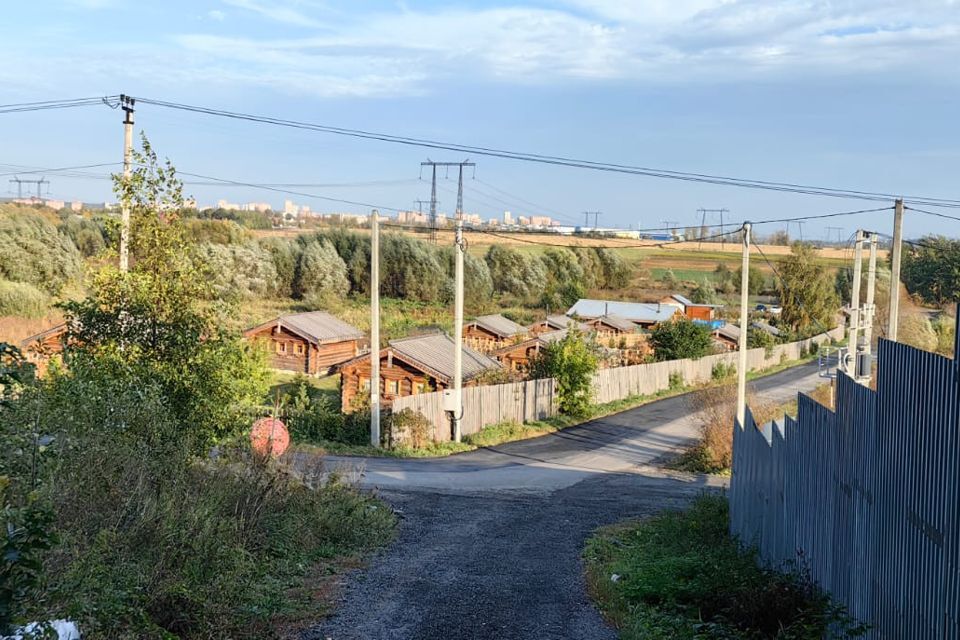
858, 94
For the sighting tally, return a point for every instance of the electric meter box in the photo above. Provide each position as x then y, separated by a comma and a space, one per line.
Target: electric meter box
450, 401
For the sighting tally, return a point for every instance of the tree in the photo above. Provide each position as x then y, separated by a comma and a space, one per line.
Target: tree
704, 293
571, 362
477, 283
151, 327
931, 269
680, 339
240, 271
286, 256
807, 295
321, 272
616, 272
755, 280
32, 251
515, 273
781, 237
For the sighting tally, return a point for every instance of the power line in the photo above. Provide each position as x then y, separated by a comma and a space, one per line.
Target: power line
787, 187
933, 213
55, 104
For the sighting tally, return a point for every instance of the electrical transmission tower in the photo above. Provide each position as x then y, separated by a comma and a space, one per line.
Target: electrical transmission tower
839, 231
703, 224
22, 181
433, 189
596, 218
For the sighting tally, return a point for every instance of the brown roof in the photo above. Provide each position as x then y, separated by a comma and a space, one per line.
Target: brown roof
435, 352
316, 326
618, 322
46, 333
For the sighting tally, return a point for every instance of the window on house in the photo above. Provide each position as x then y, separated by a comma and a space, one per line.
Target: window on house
299, 348
281, 347
393, 386
364, 384
419, 387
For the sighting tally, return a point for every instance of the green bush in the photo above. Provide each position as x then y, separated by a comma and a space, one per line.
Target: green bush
675, 381
321, 272
571, 362
22, 299
722, 371
680, 339
88, 235
515, 273
240, 271
33, 251
216, 232
680, 576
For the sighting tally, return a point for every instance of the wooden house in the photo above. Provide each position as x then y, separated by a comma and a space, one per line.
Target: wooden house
616, 332
409, 366
727, 337
694, 310
488, 333
556, 323
313, 342
40, 348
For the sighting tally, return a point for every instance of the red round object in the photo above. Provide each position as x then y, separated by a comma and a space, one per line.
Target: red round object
269, 437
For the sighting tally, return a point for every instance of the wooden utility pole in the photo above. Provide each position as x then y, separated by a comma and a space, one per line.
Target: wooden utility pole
895, 270
850, 363
126, 103
375, 328
744, 323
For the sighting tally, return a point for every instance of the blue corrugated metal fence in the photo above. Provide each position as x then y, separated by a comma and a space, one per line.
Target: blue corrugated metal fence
866, 497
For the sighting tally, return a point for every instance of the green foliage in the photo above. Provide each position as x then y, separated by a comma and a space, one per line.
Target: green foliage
22, 299
566, 282
723, 371
88, 235
515, 273
216, 232
680, 339
32, 251
321, 272
675, 382
704, 293
602, 268
755, 280
477, 283
931, 269
724, 278
150, 325
759, 339
669, 279
680, 576
246, 219
239, 271
571, 362
285, 254
806, 293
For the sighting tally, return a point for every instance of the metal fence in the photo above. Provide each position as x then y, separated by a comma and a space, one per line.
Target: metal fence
866, 497
535, 400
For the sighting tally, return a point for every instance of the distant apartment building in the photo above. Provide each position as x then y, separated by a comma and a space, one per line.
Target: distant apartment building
493, 222
289, 208
541, 221
523, 221
76, 205
507, 218
412, 217
262, 207
227, 206
56, 205
473, 219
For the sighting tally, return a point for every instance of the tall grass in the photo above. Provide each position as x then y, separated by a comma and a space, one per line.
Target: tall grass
22, 299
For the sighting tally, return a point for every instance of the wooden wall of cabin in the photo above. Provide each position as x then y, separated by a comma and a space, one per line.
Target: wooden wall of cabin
397, 378
290, 352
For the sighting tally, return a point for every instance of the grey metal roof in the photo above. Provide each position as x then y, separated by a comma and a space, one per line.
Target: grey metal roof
564, 322
763, 326
730, 331
618, 322
633, 311
435, 351
500, 325
319, 326
687, 302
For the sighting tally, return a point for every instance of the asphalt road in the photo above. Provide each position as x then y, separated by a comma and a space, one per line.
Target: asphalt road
489, 541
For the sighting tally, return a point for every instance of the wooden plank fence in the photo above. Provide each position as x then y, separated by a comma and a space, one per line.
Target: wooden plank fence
536, 399
866, 498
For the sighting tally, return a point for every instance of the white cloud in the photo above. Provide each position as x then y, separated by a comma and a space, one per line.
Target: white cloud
216, 14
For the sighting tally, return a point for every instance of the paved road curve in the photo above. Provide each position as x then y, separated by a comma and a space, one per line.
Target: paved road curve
489, 541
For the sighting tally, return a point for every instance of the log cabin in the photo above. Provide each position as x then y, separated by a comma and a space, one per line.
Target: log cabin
312, 343
409, 366
727, 337
488, 333
555, 323
693, 310
616, 332
40, 348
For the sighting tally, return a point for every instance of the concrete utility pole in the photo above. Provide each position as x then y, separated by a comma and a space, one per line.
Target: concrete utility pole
458, 312
870, 309
850, 363
375, 328
895, 270
744, 323
126, 103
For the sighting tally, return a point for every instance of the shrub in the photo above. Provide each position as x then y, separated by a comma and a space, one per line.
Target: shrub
409, 429
321, 273
286, 255
216, 232
515, 273
675, 381
243, 271
22, 299
571, 362
89, 236
722, 371
32, 251
680, 339
477, 283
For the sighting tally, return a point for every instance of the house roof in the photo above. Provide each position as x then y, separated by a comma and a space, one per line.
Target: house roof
763, 326
500, 325
315, 326
618, 322
687, 302
46, 333
634, 311
435, 353
562, 322
729, 331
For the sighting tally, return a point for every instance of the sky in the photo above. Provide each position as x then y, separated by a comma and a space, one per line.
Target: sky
859, 94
